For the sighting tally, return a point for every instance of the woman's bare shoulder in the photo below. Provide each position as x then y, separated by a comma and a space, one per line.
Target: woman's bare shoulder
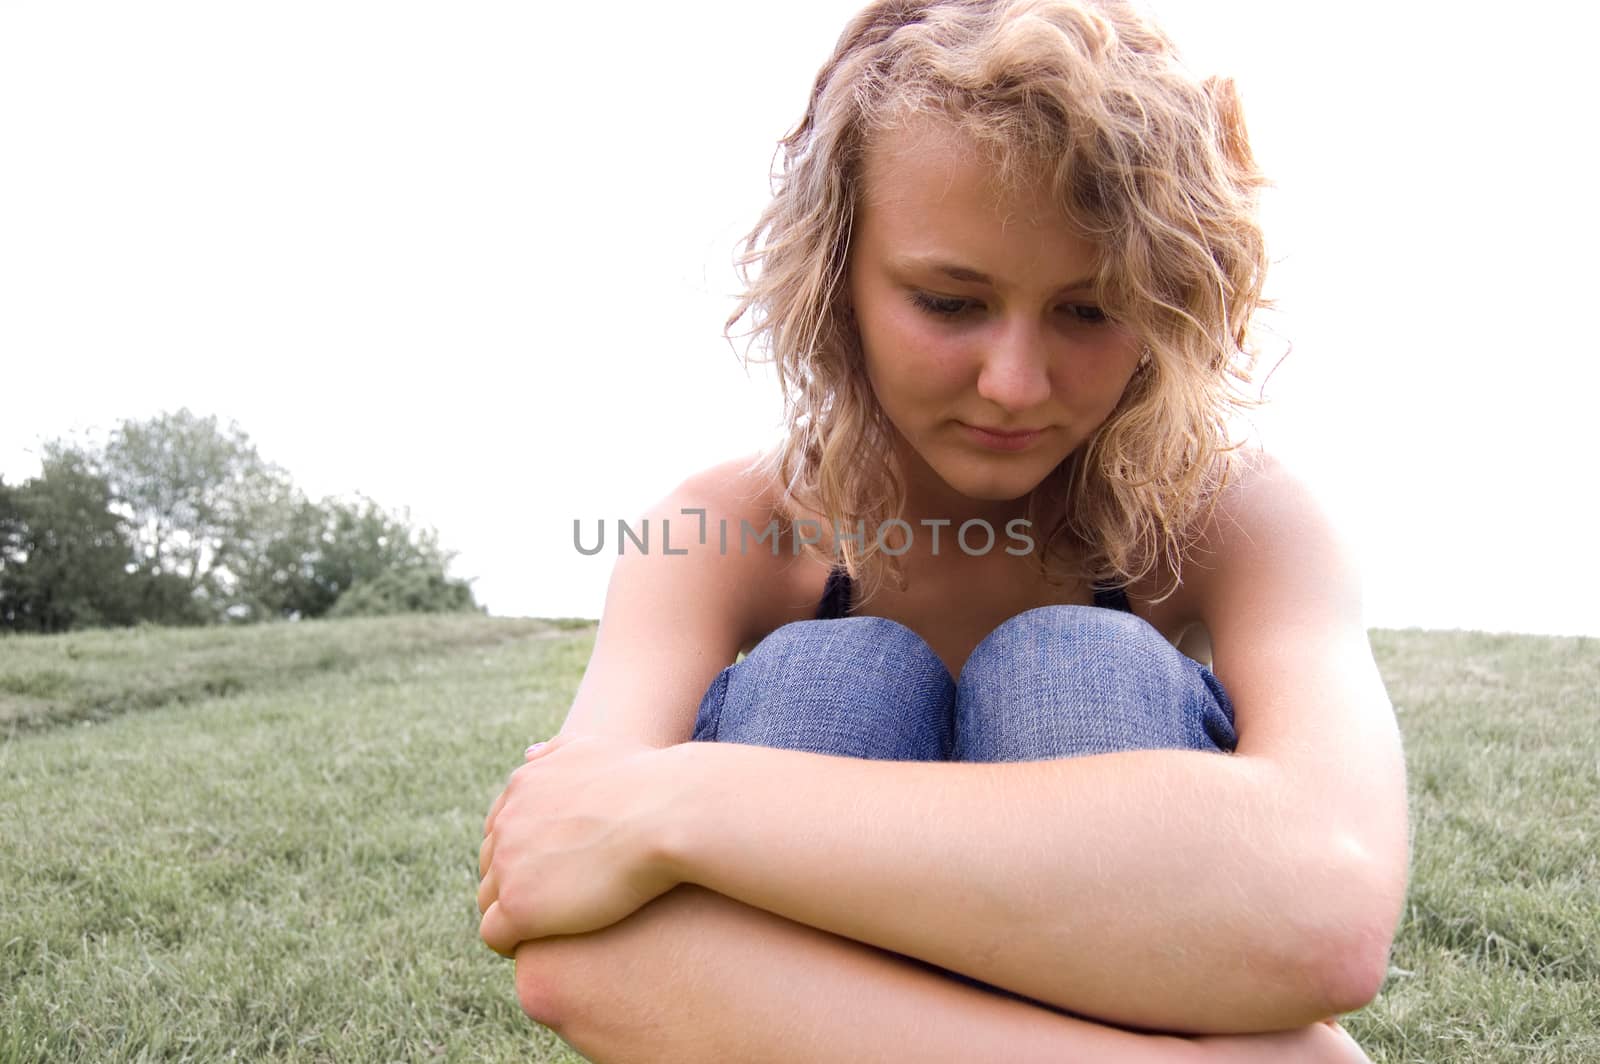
1266, 500
742, 486
1258, 486
683, 600
733, 511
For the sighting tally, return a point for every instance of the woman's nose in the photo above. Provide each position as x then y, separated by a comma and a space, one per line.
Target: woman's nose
1015, 374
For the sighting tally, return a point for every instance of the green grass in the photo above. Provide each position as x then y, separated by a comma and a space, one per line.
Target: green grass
1498, 958
261, 843
90, 676
282, 871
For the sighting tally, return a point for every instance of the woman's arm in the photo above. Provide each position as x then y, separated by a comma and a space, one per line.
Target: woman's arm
694, 976
1190, 891
1160, 889
676, 614
1137, 887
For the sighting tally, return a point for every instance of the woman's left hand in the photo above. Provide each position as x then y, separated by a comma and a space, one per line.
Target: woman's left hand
571, 845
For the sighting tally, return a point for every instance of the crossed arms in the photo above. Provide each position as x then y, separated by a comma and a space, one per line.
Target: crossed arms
1161, 889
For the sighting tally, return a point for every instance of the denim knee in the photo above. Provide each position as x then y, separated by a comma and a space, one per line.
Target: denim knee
1060, 681
857, 687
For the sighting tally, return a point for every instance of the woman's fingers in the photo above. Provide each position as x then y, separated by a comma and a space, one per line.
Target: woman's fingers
494, 811
494, 928
500, 801
488, 892
485, 856
496, 932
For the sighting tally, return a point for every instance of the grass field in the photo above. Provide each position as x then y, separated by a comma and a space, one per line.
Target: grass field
261, 843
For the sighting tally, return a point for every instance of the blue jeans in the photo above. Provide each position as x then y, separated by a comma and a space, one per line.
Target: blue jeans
1053, 682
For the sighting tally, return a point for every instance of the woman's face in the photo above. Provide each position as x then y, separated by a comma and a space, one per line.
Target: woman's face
976, 311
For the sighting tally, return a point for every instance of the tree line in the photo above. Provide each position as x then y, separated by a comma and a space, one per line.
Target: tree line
178, 520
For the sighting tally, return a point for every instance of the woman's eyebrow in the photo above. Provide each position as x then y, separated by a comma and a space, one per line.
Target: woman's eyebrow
965, 273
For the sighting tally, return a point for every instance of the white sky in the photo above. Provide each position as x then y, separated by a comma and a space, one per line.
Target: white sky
474, 259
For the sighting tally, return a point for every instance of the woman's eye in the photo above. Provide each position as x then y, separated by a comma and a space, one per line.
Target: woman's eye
1088, 315
954, 306
944, 306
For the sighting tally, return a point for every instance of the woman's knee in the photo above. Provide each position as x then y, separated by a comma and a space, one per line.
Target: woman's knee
1085, 639
857, 686
1066, 680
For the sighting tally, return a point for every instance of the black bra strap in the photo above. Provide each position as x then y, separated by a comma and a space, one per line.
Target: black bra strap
835, 596
1112, 598
838, 592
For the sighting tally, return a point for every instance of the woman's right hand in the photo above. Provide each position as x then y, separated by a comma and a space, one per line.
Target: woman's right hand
1320, 1043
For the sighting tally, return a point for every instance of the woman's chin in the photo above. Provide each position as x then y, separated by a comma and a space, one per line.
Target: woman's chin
979, 476
990, 481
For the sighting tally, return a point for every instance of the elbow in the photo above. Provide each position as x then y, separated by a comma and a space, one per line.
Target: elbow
1351, 972
1351, 960
1316, 976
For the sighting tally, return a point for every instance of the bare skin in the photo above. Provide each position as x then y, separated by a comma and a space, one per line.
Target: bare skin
695, 976
1274, 593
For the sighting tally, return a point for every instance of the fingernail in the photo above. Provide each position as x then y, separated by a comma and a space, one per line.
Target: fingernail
531, 749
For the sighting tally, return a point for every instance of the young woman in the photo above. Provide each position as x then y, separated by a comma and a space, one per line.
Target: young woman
1058, 735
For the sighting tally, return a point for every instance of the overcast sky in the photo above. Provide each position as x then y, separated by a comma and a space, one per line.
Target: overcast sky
474, 259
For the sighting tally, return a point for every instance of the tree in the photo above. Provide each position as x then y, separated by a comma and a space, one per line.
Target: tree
190, 491
405, 591
275, 559
64, 555
303, 559
178, 520
361, 541
363, 545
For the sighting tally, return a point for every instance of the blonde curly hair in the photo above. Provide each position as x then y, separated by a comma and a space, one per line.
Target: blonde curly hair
1155, 168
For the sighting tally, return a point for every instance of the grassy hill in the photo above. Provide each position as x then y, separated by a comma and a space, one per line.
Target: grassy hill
262, 841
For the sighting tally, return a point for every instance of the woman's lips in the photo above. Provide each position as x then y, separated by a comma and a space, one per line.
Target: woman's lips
1002, 440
